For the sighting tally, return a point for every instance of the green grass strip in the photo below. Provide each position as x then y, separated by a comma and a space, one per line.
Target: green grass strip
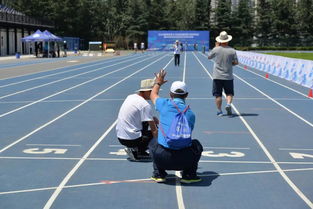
306, 56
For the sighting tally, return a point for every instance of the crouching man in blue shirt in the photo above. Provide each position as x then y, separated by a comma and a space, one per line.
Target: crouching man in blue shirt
167, 156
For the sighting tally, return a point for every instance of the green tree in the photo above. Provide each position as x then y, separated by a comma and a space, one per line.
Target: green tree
284, 26
304, 21
263, 26
201, 12
223, 15
242, 26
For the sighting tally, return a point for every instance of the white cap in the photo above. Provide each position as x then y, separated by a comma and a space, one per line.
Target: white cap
179, 87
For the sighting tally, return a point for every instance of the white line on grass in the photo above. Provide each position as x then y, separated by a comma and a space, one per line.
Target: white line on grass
45, 76
63, 79
71, 173
77, 106
65, 90
279, 169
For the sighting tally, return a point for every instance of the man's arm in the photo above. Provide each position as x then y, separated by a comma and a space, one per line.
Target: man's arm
235, 60
154, 129
159, 81
212, 52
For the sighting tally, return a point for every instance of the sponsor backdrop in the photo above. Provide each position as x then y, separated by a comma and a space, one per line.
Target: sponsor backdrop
191, 40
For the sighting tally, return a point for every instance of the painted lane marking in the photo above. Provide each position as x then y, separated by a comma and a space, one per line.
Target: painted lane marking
119, 152
116, 145
11, 84
77, 106
185, 65
37, 151
231, 154
123, 159
55, 145
71, 173
226, 132
65, 90
270, 157
268, 79
226, 147
273, 100
179, 192
147, 180
103, 100
296, 149
296, 155
276, 102
63, 79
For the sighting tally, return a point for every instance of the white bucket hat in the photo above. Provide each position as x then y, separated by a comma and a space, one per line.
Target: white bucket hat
224, 37
146, 85
179, 87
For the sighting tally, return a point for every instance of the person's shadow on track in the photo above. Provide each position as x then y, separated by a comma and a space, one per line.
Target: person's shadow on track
243, 115
206, 176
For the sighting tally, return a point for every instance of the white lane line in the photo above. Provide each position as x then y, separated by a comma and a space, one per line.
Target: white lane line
102, 100
63, 79
276, 102
226, 148
179, 192
55, 145
259, 172
77, 106
123, 159
73, 87
71, 173
147, 179
268, 79
45, 76
270, 157
185, 65
273, 100
61, 101
304, 149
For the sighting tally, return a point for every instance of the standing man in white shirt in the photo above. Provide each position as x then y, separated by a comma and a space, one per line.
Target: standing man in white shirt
133, 122
142, 46
177, 49
135, 47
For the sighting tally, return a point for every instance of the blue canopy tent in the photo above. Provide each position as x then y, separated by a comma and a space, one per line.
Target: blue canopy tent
39, 36
51, 36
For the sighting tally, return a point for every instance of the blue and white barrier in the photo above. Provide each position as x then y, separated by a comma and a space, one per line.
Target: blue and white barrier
296, 70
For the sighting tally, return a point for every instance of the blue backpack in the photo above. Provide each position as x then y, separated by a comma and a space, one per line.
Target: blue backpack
178, 135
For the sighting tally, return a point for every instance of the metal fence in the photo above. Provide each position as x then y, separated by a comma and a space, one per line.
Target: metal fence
6, 17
